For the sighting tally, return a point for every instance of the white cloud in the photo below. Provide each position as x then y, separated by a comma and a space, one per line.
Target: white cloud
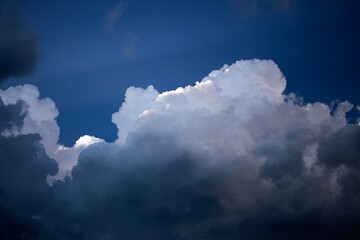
230, 155
67, 157
137, 100
230, 110
218, 160
41, 118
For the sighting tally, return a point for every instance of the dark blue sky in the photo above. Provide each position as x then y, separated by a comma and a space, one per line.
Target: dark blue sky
90, 57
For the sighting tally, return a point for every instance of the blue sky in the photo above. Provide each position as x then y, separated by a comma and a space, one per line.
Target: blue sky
210, 151
88, 60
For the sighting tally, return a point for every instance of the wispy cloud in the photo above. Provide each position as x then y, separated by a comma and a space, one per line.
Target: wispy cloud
115, 13
128, 47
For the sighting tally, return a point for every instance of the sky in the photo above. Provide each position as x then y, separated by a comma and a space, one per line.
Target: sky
92, 51
216, 120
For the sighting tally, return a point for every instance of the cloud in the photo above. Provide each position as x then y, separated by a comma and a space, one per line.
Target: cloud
41, 119
67, 156
232, 157
19, 52
24, 193
129, 46
137, 100
115, 13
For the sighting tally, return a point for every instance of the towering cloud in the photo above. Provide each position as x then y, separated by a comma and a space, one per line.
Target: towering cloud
19, 52
232, 157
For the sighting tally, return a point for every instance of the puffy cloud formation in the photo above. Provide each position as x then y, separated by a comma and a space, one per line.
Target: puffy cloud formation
67, 156
24, 167
232, 157
229, 158
41, 119
19, 52
41, 114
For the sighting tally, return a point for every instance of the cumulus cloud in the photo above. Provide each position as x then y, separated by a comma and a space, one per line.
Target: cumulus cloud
41, 116
137, 100
232, 157
41, 119
19, 52
67, 157
24, 166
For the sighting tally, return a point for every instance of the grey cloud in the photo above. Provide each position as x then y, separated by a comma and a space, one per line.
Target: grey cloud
155, 190
12, 116
40, 118
24, 166
340, 153
19, 53
341, 148
230, 158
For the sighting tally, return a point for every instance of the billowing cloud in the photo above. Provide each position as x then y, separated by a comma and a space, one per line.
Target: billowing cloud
19, 52
232, 157
41, 119
24, 167
67, 157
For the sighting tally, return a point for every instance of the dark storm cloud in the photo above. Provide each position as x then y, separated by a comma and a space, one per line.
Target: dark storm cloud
19, 52
341, 152
24, 166
341, 148
12, 116
158, 191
